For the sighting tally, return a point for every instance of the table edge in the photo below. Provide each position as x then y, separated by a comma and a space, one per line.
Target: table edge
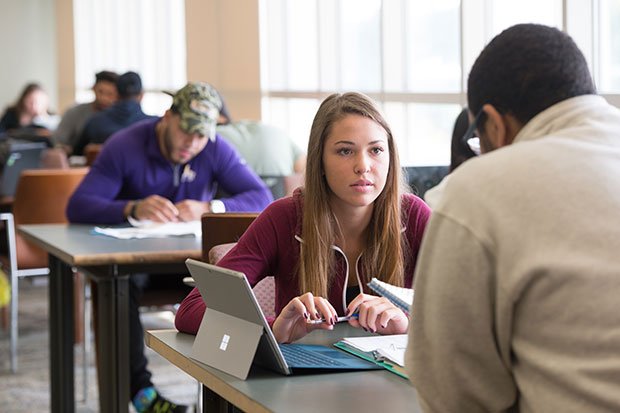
210, 380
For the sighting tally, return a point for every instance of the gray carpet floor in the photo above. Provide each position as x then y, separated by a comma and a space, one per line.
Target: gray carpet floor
28, 389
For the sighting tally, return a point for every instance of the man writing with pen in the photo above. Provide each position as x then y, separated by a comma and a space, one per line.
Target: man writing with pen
165, 170
350, 222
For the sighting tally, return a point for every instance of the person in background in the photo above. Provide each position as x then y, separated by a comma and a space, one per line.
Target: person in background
460, 151
268, 150
126, 111
73, 121
165, 170
516, 290
30, 111
354, 223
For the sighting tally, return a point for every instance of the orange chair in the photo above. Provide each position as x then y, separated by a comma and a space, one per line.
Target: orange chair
40, 198
91, 151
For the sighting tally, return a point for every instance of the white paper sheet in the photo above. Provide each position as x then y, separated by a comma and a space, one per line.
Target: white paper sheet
150, 229
390, 347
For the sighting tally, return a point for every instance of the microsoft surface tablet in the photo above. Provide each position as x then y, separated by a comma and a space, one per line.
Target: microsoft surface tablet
234, 332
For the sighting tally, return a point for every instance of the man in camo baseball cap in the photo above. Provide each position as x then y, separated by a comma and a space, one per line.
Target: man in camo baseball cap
166, 169
198, 104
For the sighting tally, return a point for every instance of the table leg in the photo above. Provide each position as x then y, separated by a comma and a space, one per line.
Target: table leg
213, 402
113, 342
61, 336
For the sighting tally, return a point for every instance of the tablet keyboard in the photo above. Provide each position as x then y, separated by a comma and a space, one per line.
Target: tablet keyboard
300, 356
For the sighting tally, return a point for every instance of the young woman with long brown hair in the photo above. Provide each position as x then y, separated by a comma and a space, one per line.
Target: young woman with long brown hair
350, 222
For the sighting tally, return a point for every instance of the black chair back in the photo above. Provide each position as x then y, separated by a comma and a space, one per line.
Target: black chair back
423, 178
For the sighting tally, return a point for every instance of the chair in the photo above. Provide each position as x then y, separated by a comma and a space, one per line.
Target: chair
54, 158
423, 178
219, 234
223, 228
91, 151
40, 198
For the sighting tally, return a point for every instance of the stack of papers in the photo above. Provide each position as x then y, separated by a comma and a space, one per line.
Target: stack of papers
149, 229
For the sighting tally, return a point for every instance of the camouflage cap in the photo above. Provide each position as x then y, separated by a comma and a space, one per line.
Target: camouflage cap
199, 105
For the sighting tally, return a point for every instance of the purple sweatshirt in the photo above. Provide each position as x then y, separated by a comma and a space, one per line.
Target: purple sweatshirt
131, 166
270, 246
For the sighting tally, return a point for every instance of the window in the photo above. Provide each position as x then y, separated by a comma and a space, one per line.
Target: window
609, 41
412, 57
145, 36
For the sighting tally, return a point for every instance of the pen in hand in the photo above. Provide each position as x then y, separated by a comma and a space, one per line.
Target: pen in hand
338, 319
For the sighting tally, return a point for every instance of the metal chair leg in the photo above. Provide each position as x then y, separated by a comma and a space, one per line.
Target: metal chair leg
10, 230
199, 398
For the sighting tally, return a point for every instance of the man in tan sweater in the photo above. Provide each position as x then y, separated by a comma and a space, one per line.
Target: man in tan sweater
517, 286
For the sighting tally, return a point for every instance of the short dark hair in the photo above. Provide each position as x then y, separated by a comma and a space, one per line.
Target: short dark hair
526, 69
106, 76
129, 85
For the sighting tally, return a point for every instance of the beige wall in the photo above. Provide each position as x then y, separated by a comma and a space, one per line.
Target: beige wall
65, 54
36, 37
223, 49
27, 30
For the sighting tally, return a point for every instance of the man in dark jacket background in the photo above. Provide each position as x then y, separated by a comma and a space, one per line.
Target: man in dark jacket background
126, 111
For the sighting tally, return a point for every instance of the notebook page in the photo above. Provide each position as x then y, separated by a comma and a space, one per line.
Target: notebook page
390, 347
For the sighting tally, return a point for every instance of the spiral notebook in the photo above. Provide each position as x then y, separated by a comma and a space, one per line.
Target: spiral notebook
386, 351
399, 296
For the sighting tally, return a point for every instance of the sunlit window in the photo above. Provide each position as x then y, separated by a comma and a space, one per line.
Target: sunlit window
145, 36
412, 57
431, 47
609, 47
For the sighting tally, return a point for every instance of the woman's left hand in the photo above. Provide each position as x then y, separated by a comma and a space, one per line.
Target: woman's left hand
377, 315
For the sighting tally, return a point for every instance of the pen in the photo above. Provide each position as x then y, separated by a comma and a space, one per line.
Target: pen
338, 319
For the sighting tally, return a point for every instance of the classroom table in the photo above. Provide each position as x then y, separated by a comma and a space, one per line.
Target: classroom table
109, 262
267, 391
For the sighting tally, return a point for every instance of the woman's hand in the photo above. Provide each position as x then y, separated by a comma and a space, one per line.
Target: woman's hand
377, 315
295, 320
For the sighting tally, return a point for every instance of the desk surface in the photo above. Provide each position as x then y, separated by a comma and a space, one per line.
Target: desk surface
266, 391
76, 245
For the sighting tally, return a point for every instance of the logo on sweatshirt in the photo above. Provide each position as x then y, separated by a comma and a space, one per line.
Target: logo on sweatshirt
188, 175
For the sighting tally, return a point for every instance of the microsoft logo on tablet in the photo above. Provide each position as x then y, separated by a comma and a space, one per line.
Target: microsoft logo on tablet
224, 342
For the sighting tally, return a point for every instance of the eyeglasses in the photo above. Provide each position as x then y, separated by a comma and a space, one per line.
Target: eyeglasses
470, 138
